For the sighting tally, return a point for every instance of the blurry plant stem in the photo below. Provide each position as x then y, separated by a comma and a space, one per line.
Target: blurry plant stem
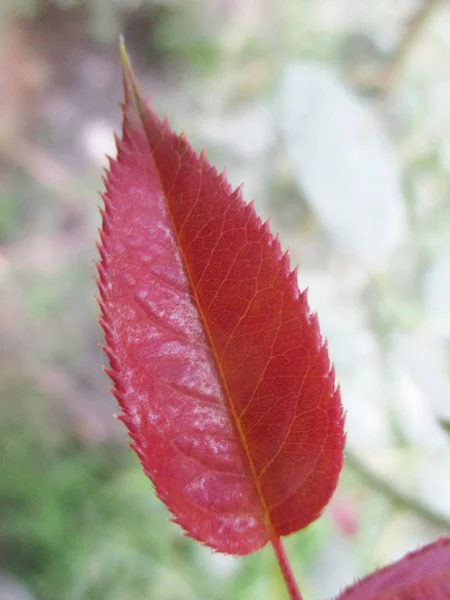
386, 79
397, 497
412, 33
43, 168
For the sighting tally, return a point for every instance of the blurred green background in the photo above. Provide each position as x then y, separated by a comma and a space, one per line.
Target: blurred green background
335, 114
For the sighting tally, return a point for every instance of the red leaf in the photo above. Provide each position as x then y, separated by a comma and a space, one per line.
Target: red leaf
421, 575
219, 367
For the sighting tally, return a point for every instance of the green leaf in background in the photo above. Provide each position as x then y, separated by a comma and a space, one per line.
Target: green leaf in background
343, 161
437, 294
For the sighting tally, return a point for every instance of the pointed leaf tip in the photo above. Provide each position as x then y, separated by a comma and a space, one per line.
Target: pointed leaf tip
124, 58
131, 92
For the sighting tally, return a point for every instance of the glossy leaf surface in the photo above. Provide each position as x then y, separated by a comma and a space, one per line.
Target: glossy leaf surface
218, 365
420, 575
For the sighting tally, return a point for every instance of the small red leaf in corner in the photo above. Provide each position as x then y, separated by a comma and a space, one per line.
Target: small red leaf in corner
420, 575
218, 365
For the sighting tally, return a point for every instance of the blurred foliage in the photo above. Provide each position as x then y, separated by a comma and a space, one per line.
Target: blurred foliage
80, 521
339, 127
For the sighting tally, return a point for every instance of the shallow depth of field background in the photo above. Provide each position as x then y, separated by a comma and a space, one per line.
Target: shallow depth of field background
336, 115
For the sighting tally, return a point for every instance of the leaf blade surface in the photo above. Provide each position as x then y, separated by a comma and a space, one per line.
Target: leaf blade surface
219, 367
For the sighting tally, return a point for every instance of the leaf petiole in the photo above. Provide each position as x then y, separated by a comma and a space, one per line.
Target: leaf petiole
286, 570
